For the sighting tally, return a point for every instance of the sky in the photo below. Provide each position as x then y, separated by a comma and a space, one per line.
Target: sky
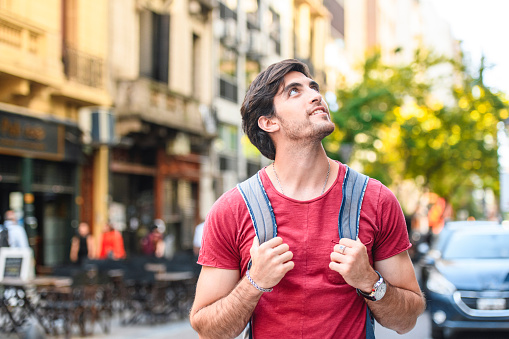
483, 28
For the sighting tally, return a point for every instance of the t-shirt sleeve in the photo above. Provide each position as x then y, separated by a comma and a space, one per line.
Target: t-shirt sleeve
219, 242
392, 231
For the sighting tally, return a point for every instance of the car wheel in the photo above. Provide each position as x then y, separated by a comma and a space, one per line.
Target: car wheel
437, 332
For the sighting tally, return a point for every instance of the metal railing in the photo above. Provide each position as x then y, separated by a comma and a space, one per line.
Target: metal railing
83, 68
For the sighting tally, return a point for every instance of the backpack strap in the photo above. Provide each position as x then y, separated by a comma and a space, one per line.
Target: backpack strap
354, 186
262, 216
259, 207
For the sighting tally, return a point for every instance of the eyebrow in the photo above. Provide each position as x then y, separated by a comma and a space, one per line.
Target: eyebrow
312, 83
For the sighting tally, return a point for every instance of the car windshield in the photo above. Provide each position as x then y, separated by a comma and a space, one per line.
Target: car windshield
477, 246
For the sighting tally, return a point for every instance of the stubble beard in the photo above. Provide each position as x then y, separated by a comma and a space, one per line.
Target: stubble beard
306, 132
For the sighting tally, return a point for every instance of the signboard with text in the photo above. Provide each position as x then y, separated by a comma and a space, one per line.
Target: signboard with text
15, 263
25, 135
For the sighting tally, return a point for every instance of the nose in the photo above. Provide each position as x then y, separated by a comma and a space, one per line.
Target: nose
315, 96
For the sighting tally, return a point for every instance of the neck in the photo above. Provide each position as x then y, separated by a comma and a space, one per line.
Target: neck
302, 174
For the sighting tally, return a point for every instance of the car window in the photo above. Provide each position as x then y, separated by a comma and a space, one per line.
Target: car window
477, 246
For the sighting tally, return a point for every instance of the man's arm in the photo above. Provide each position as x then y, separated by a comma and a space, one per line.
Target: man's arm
223, 304
403, 302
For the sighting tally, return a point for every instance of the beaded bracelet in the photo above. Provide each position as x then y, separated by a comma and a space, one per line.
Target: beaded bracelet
261, 289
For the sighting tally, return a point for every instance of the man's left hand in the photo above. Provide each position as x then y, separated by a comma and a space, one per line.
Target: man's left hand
350, 259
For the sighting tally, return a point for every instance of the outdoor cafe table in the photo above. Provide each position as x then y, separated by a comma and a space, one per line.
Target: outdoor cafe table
16, 298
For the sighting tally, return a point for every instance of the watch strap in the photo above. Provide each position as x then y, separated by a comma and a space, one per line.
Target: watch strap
371, 295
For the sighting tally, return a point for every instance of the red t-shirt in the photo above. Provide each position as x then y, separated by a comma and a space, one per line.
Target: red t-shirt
311, 301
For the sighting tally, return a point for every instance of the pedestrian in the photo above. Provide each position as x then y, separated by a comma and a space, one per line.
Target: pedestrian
17, 234
307, 282
82, 244
112, 244
153, 243
198, 234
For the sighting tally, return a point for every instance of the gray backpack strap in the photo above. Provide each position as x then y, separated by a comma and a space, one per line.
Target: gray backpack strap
259, 207
262, 215
354, 186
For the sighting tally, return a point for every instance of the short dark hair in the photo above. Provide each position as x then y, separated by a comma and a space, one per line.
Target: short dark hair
259, 101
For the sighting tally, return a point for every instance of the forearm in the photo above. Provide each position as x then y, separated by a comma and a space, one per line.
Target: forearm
228, 316
398, 309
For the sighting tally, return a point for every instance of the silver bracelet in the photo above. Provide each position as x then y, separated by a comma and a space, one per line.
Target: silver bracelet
261, 289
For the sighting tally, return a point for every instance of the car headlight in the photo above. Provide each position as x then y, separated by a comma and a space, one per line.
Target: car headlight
438, 284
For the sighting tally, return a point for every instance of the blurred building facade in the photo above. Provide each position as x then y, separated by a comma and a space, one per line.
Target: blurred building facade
249, 35
129, 110
52, 63
161, 82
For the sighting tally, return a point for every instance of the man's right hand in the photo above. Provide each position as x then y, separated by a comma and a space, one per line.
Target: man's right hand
270, 261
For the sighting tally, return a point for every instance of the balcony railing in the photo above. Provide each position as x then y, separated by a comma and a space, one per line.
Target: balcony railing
83, 68
153, 102
20, 36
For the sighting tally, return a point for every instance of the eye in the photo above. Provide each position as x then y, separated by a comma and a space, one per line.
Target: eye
316, 88
293, 91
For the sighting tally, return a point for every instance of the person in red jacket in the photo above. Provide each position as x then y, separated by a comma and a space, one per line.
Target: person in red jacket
112, 244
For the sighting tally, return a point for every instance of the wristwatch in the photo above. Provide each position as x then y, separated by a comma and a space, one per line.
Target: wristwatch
378, 290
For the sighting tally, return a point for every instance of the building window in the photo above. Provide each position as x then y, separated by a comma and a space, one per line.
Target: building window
253, 14
228, 137
338, 17
196, 70
154, 45
275, 31
252, 70
228, 73
228, 9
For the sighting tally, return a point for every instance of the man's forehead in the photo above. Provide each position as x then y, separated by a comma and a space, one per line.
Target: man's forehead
295, 76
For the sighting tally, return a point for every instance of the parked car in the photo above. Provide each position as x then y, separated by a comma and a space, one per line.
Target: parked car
465, 277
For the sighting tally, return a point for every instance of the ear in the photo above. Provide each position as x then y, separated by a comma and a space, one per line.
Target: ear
269, 125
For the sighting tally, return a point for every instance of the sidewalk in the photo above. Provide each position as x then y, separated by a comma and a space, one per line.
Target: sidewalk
172, 330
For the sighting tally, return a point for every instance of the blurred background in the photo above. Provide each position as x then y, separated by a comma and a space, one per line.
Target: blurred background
126, 113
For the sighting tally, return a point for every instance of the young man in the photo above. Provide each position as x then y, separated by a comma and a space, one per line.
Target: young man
317, 279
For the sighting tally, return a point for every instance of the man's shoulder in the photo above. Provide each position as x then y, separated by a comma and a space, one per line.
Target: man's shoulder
230, 202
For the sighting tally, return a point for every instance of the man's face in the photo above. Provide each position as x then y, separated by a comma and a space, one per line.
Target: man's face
300, 109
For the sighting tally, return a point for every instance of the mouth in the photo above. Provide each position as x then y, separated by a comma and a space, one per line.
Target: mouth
319, 110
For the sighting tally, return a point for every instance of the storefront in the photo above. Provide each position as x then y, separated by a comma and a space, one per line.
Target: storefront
39, 179
148, 182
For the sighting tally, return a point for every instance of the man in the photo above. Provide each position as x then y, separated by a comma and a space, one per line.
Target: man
317, 280
17, 234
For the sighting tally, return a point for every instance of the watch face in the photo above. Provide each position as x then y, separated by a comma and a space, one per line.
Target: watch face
380, 291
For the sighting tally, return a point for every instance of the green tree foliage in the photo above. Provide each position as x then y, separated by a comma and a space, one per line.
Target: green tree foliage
428, 120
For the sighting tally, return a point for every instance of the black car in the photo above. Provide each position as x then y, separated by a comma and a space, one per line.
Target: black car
465, 278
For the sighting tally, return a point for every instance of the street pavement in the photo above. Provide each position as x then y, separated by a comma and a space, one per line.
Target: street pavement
182, 330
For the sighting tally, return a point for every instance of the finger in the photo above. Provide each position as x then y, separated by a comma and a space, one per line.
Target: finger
285, 257
340, 248
335, 267
336, 257
280, 249
289, 265
273, 242
348, 242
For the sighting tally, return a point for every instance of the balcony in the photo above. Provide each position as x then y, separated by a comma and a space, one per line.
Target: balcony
83, 68
149, 101
24, 50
